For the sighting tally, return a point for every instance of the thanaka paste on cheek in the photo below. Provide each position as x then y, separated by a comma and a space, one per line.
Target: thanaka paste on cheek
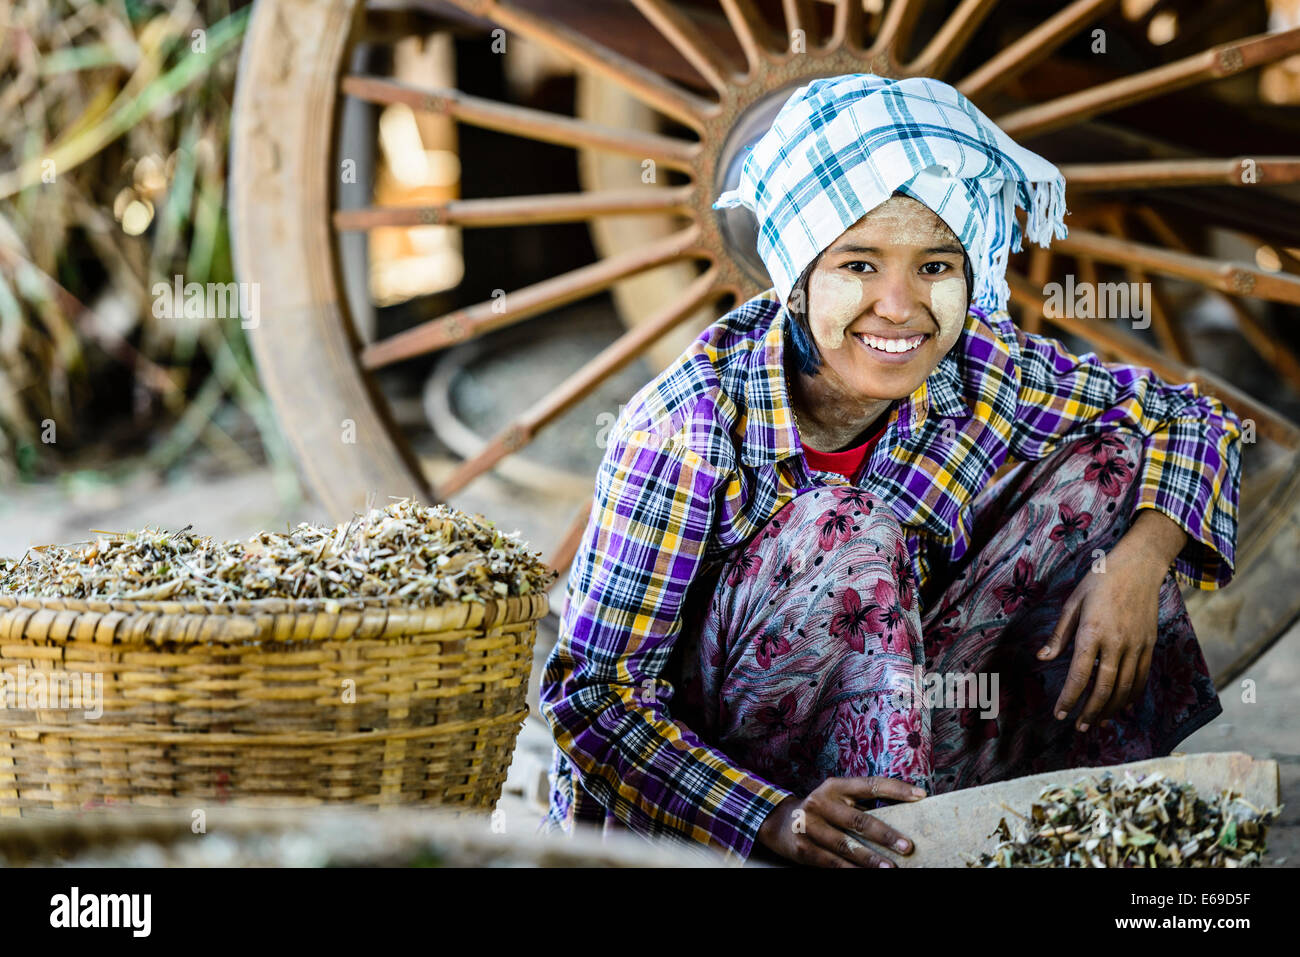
834, 301
947, 302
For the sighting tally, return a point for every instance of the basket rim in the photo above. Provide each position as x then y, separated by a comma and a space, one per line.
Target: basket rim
10, 600
267, 619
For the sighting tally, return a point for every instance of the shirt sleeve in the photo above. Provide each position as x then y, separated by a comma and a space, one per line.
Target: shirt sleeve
1191, 468
604, 693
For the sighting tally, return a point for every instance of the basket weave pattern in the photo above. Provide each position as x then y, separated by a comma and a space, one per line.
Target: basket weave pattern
248, 702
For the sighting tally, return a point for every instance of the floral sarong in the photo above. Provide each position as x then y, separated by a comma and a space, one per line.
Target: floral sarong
817, 657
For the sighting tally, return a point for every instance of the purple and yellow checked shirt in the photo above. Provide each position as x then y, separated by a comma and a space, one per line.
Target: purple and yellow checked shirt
704, 455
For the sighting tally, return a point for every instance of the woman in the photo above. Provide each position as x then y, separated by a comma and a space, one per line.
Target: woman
802, 591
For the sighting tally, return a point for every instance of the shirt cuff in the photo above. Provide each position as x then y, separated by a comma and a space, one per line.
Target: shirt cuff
760, 798
1205, 561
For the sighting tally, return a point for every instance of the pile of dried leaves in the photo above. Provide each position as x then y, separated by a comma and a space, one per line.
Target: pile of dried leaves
407, 551
1143, 822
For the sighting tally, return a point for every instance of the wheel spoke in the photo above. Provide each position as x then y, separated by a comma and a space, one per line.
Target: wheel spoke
1262, 340
689, 41
646, 85
1156, 174
896, 29
565, 552
578, 386
519, 210
1215, 63
1168, 329
1040, 270
1087, 270
1106, 336
523, 121
751, 31
948, 43
1170, 333
849, 25
1228, 277
1289, 263
799, 16
1034, 47
512, 307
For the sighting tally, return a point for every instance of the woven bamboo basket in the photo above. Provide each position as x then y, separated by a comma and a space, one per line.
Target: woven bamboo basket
267, 703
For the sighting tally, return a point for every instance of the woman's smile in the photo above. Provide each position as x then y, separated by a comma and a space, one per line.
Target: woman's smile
892, 349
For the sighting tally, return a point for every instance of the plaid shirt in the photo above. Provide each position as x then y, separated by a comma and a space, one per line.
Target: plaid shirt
704, 455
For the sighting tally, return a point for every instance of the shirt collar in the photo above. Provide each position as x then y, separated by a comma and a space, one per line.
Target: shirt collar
769, 426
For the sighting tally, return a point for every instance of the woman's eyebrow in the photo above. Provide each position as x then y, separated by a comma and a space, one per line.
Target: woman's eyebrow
875, 250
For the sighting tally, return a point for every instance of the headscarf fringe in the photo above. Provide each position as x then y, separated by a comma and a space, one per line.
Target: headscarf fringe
1047, 211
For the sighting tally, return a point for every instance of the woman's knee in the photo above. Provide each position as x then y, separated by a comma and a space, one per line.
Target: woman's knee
1098, 475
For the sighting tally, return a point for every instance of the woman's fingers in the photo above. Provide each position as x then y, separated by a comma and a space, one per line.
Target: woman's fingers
869, 788
1104, 685
1063, 630
1143, 668
863, 825
842, 846
1086, 646
815, 855
830, 815
1133, 689
1123, 687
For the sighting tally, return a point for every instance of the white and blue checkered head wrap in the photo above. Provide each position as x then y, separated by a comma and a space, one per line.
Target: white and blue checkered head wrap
841, 146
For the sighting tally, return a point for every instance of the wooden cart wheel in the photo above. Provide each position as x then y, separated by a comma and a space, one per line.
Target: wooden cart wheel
1143, 193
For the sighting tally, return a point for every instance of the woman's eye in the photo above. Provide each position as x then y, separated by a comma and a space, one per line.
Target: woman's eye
853, 266
943, 267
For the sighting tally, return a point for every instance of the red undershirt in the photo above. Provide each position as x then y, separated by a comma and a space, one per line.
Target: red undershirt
849, 461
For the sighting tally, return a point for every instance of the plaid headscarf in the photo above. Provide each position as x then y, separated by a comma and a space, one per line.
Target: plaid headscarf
841, 146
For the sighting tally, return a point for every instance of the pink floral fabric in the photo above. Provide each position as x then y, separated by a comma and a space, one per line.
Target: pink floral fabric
810, 657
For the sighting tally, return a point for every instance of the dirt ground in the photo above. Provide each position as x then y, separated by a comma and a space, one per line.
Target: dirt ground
237, 505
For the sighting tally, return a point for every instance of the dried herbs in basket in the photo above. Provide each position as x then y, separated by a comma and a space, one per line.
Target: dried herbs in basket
405, 551
1137, 822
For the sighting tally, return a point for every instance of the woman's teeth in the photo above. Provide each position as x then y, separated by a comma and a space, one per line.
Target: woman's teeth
893, 345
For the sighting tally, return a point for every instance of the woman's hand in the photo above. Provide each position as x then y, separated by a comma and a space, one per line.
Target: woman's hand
816, 830
1112, 616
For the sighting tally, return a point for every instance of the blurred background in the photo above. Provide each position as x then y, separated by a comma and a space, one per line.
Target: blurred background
116, 119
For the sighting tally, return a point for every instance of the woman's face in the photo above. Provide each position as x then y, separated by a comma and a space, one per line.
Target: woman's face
887, 300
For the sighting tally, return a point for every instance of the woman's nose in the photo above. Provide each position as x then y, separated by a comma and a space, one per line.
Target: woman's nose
898, 297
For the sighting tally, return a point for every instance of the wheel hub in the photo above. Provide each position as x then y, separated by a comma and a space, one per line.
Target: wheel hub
737, 225
745, 113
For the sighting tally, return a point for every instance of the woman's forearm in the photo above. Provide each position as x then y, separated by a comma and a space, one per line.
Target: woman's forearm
1156, 535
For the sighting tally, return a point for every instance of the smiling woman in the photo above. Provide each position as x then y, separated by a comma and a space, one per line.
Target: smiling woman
746, 627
